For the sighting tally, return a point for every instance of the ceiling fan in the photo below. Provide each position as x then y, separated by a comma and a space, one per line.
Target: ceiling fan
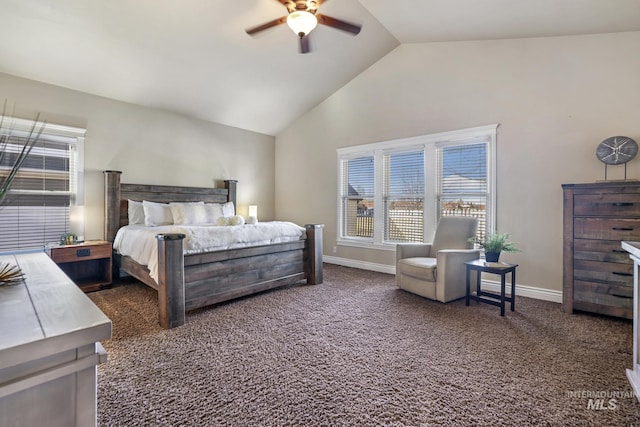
303, 18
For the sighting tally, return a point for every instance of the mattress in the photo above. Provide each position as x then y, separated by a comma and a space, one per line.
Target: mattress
140, 244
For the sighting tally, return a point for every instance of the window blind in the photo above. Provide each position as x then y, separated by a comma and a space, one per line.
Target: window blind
36, 209
462, 178
403, 196
358, 196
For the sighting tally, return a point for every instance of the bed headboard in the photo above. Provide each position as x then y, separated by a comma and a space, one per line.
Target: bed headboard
117, 196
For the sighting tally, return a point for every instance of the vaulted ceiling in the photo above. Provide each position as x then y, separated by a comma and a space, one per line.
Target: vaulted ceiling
194, 57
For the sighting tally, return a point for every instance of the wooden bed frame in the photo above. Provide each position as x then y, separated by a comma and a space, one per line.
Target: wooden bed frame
187, 282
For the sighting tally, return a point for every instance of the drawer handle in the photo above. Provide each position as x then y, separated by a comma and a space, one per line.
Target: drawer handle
621, 296
621, 274
622, 204
619, 251
623, 228
83, 252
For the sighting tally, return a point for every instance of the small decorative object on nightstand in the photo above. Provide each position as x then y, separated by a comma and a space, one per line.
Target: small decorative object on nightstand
88, 264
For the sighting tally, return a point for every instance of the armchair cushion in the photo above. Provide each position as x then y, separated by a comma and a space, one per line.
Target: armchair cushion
420, 268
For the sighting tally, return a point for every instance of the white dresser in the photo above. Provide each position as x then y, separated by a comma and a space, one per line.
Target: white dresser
50, 334
633, 374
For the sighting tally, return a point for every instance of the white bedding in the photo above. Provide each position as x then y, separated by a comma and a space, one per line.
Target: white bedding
139, 242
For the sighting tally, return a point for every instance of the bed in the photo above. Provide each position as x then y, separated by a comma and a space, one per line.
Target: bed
187, 281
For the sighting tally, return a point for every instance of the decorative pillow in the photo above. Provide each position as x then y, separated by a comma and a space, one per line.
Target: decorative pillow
188, 213
223, 220
156, 214
236, 220
136, 212
252, 220
213, 212
228, 209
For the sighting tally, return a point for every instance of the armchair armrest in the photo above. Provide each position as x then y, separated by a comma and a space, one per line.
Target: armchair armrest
412, 250
451, 273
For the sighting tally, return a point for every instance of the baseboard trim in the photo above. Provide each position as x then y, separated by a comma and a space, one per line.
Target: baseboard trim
345, 262
489, 285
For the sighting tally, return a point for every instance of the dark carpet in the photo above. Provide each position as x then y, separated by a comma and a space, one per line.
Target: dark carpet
357, 351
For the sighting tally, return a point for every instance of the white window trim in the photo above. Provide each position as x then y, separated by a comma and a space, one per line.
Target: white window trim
429, 143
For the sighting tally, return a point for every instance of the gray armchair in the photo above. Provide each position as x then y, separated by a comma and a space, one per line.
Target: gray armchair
436, 270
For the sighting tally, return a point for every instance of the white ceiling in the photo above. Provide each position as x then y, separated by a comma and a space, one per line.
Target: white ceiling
193, 56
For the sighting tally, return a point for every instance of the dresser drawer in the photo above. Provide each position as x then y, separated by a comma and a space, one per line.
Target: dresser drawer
600, 250
606, 229
80, 253
609, 272
604, 298
612, 204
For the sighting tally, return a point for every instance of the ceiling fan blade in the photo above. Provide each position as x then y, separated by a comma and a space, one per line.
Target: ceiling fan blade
266, 25
304, 44
338, 24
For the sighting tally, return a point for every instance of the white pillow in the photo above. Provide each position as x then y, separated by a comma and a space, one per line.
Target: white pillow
188, 213
213, 212
228, 209
136, 212
223, 220
236, 220
156, 214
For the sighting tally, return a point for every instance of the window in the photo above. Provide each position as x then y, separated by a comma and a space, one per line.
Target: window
395, 191
49, 182
403, 196
358, 198
462, 181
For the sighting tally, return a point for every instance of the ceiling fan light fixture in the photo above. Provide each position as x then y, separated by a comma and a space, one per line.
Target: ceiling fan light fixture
302, 22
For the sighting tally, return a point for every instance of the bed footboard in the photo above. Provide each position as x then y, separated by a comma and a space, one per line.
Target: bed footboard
187, 282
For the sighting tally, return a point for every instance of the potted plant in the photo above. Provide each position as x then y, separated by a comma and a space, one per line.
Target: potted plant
494, 244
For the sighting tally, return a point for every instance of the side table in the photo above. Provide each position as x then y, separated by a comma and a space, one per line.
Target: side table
88, 264
501, 269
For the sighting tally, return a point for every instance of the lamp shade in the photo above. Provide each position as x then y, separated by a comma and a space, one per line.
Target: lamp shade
302, 22
253, 210
76, 221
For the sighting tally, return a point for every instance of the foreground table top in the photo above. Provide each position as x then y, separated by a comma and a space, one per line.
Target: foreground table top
50, 334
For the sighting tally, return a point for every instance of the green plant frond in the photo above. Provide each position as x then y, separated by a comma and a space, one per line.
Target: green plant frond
34, 136
496, 242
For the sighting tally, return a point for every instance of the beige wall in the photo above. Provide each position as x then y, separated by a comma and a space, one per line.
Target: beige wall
555, 99
150, 146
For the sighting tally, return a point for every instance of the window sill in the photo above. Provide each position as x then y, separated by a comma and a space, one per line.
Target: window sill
367, 245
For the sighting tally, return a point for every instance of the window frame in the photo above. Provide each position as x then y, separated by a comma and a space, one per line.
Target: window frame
73, 138
428, 143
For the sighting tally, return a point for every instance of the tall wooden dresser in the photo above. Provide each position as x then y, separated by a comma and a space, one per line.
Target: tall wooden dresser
598, 273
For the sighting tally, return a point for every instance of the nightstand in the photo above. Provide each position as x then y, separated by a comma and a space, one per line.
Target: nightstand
501, 269
88, 264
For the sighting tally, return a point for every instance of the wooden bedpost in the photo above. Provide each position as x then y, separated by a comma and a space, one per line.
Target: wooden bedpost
111, 204
231, 185
171, 302
313, 256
